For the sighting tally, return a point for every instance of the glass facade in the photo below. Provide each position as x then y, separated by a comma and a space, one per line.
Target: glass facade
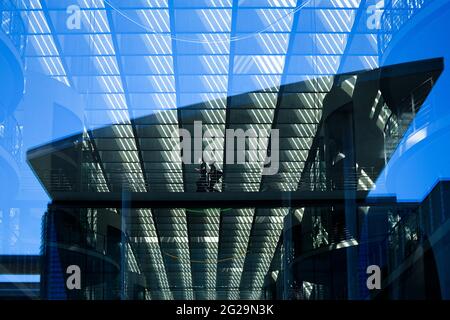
224, 149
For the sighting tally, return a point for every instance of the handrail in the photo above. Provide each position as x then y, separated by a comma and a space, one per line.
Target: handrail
407, 100
394, 128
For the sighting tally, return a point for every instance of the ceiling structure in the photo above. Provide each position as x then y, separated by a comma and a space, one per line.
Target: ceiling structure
146, 68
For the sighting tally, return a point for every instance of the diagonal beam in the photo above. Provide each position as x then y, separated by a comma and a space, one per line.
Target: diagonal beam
175, 74
116, 47
360, 13
171, 6
234, 10
71, 83
109, 9
56, 40
283, 80
281, 90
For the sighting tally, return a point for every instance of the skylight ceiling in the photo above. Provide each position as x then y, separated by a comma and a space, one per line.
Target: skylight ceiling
149, 67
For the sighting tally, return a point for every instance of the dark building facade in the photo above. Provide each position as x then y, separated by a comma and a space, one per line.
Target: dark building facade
408, 242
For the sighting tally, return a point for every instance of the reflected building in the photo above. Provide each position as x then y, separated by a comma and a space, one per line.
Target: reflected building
90, 112
131, 219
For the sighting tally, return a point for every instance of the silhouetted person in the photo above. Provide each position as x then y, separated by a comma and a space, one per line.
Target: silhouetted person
202, 182
214, 177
